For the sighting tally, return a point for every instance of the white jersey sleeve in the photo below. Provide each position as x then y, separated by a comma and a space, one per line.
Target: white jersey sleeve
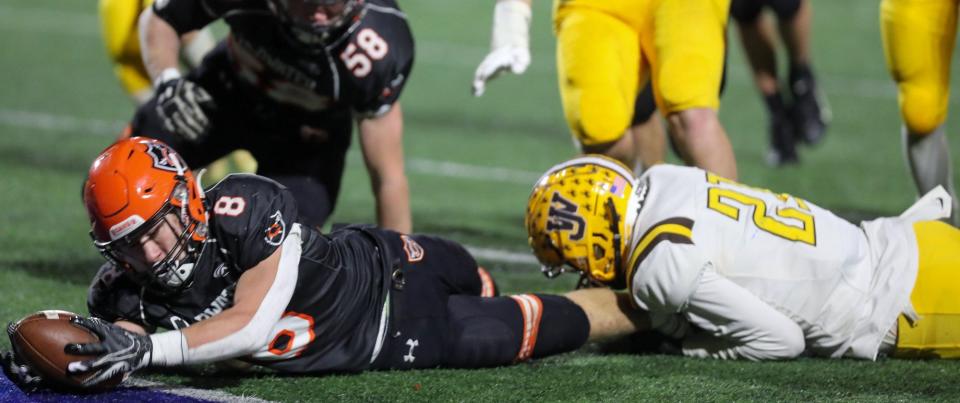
734, 324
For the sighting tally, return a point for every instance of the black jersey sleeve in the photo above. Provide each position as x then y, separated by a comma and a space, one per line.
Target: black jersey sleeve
113, 296
250, 217
384, 38
188, 15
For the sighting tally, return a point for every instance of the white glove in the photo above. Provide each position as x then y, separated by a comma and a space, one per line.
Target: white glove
510, 45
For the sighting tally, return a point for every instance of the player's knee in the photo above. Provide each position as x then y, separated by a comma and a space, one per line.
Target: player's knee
694, 124
923, 109
600, 118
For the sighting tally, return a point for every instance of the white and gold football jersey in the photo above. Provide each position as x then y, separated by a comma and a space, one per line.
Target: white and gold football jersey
763, 275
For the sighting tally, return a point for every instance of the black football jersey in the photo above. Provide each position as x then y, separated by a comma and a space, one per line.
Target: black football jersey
334, 316
363, 69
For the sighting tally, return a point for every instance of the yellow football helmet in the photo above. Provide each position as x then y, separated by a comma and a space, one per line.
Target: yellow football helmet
575, 217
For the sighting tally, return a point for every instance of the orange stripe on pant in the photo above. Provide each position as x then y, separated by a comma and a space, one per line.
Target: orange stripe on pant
531, 307
487, 289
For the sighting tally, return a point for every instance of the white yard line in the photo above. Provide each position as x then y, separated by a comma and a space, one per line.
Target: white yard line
208, 394
502, 256
106, 129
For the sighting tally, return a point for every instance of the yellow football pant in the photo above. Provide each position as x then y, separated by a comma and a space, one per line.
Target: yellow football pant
935, 296
118, 26
608, 49
918, 38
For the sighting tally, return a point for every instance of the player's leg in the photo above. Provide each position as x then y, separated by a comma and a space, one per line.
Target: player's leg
118, 28
934, 296
687, 60
647, 130
757, 37
810, 111
918, 39
445, 263
598, 61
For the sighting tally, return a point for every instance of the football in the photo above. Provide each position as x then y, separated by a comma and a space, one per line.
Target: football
39, 339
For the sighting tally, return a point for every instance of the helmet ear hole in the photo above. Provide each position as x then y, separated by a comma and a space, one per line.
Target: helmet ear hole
598, 252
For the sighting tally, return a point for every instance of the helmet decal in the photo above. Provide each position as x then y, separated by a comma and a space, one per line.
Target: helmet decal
125, 227
162, 159
563, 216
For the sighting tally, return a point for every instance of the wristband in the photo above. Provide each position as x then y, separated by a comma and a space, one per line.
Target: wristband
169, 348
170, 73
511, 24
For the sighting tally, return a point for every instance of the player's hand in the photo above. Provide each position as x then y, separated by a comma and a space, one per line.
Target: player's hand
16, 371
19, 373
497, 61
183, 107
510, 46
119, 351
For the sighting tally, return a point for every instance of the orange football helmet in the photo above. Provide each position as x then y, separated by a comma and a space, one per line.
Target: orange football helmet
130, 189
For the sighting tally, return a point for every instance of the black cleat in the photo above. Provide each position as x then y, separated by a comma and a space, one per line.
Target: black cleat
783, 147
810, 112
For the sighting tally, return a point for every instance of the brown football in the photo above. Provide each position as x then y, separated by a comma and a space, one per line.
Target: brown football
38, 340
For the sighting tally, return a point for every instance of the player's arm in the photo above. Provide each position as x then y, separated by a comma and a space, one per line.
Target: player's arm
381, 140
734, 323
509, 44
160, 46
681, 288
262, 294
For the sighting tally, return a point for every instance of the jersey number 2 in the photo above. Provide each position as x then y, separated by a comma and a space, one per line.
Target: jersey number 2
769, 220
373, 46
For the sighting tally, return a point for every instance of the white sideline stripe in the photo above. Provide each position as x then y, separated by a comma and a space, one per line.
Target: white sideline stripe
106, 128
46, 121
214, 395
502, 256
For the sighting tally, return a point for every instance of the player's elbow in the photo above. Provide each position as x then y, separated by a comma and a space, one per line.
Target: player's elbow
788, 343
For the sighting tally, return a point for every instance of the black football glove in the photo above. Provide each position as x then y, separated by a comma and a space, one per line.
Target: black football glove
19, 373
183, 106
119, 351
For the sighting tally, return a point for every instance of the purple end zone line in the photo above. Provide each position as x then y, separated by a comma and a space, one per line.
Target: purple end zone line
138, 391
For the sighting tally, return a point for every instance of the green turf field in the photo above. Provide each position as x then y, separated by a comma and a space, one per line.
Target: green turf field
471, 163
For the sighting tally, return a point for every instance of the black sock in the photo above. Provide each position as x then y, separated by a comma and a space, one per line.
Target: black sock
563, 326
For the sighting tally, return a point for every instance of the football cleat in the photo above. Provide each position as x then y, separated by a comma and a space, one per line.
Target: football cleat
810, 111
575, 218
783, 148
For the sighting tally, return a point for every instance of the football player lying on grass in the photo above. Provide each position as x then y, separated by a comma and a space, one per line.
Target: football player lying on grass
733, 271
233, 275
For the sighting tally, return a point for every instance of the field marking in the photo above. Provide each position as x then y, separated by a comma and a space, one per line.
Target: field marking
502, 256
106, 128
207, 394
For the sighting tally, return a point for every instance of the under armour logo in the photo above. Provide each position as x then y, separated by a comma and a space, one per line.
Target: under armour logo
413, 344
563, 217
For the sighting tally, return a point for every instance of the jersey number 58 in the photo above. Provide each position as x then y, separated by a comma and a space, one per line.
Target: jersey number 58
373, 47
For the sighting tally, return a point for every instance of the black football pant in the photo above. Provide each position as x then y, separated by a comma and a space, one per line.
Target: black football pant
438, 317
